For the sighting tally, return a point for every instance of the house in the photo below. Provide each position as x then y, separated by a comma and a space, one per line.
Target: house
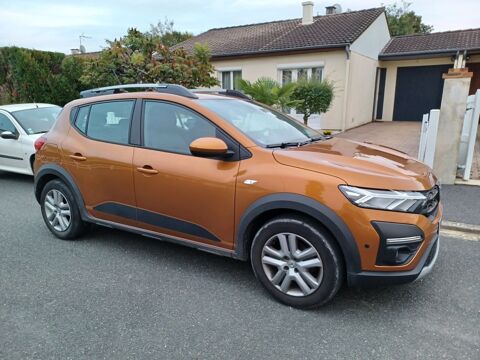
376, 77
342, 47
410, 71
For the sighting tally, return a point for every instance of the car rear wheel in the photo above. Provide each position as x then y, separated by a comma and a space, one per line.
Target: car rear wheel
60, 211
297, 261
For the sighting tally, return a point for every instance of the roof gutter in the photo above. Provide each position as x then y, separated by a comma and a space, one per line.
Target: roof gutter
425, 54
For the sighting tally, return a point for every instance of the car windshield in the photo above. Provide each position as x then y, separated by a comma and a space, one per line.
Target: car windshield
263, 125
38, 120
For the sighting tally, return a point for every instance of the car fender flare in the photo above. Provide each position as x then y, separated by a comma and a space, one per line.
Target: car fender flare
300, 203
64, 175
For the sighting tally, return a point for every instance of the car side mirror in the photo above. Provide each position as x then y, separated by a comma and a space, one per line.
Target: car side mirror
8, 135
209, 147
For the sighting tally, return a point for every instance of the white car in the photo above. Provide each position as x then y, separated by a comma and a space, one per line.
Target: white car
20, 126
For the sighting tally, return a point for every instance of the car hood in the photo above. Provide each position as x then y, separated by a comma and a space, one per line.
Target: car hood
360, 164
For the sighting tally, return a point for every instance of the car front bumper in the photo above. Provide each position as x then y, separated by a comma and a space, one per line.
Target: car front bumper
366, 279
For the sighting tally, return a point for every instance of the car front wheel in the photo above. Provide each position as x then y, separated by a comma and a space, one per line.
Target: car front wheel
297, 261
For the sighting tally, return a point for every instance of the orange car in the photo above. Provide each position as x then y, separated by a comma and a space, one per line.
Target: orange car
224, 174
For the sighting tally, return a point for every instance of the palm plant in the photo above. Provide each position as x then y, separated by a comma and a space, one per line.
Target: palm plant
269, 92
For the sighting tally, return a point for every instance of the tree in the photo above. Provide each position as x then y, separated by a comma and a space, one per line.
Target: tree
269, 92
403, 21
142, 58
312, 96
165, 33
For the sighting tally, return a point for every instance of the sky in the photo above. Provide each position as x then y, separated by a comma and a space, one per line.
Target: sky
56, 25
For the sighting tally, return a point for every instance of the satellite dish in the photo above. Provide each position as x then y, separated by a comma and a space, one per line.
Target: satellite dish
338, 9
82, 49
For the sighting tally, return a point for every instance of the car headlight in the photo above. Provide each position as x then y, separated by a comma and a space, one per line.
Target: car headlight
419, 202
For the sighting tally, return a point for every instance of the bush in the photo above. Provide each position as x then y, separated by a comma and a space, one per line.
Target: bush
312, 96
269, 92
38, 76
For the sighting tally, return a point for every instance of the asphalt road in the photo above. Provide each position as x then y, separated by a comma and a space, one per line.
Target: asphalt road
116, 295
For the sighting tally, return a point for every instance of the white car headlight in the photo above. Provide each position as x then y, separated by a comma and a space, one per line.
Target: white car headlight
420, 202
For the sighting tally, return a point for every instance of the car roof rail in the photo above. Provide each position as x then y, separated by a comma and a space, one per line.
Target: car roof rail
162, 88
224, 92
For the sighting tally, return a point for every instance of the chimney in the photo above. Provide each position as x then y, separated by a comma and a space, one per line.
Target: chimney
307, 12
333, 9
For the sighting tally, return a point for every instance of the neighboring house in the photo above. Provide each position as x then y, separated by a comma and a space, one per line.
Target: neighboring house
375, 77
340, 47
410, 75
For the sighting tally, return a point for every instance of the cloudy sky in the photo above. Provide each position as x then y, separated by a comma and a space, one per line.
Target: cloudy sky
56, 24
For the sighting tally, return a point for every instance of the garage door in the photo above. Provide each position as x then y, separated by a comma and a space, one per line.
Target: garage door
417, 91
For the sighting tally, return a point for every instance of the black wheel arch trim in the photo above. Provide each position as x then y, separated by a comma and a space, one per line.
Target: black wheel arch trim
300, 203
64, 175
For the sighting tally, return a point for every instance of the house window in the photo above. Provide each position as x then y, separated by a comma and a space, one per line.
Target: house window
229, 79
292, 75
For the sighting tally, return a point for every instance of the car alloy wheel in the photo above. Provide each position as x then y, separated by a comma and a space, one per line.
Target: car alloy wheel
292, 264
57, 210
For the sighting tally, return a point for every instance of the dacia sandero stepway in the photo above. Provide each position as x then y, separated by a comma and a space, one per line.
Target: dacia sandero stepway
219, 172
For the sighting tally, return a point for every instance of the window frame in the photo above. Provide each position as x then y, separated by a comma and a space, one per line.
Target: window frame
7, 115
240, 153
220, 72
76, 110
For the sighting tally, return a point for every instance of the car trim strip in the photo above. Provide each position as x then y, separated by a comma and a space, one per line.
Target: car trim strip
155, 219
10, 157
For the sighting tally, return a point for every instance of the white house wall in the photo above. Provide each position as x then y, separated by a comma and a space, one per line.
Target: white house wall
334, 64
373, 39
361, 90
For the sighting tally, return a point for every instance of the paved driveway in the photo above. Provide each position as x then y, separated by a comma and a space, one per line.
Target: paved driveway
120, 296
401, 135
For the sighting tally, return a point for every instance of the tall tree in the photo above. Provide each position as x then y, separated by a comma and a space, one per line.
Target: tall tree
165, 33
403, 21
142, 58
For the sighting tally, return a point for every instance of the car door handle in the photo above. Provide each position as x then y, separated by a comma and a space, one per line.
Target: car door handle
147, 169
78, 157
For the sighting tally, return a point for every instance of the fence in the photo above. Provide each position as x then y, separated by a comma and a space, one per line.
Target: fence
469, 135
428, 137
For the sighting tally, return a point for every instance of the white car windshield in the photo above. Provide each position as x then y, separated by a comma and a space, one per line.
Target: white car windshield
38, 120
263, 125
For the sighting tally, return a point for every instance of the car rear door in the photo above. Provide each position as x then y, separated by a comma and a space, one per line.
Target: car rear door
98, 154
179, 194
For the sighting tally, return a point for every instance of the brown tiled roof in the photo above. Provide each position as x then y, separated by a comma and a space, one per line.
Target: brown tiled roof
448, 42
326, 31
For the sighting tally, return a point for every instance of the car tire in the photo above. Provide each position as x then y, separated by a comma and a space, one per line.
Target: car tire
60, 211
297, 261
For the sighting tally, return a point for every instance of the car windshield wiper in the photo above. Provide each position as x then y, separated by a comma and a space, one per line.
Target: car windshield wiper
40, 132
289, 143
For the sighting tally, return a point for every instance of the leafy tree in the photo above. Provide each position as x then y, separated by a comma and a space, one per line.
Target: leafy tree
166, 34
403, 21
141, 58
312, 97
269, 92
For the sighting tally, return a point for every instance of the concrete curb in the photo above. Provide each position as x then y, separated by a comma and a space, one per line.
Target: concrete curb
461, 227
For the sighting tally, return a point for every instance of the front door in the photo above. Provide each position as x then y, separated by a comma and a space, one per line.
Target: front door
99, 156
179, 194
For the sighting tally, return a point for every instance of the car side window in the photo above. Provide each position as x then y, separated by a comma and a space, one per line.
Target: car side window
6, 124
82, 118
172, 128
110, 121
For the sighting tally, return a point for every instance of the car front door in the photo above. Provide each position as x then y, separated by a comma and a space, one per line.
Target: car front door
178, 194
12, 152
98, 154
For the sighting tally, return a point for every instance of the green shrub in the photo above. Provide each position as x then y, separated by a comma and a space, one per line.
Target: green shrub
312, 97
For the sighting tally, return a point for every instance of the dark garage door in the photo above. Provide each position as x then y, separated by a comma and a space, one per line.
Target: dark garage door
418, 90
